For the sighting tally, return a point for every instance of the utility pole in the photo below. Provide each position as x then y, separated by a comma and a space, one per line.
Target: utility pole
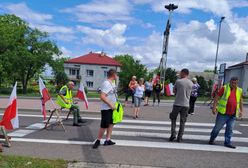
162, 66
215, 77
218, 42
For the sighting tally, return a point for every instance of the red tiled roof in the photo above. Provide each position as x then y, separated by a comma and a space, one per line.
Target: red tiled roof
240, 64
95, 59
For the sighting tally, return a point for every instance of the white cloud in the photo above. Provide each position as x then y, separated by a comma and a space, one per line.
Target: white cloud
65, 52
102, 11
22, 10
112, 37
193, 46
211, 25
218, 7
38, 20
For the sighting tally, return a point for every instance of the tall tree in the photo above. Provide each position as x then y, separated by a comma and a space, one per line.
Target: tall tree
25, 51
170, 74
57, 64
130, 67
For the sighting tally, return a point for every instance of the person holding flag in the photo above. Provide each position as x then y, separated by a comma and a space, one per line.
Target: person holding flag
65, 100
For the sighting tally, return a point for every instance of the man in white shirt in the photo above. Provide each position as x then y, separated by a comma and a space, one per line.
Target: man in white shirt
108, 97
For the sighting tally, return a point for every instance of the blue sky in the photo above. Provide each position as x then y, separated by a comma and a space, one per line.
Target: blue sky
136, 27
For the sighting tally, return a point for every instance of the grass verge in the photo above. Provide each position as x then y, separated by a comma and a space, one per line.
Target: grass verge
8, 161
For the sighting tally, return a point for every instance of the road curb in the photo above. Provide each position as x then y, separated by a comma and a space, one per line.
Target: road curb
39, 110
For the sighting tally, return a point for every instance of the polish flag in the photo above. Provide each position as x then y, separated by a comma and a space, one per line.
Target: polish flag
81, 95
169, 89
45, 96
10, 118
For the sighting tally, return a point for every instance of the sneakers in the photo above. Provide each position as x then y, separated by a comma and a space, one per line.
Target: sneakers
179, 139
109, 142
211, 142
172, 138
106, 143
230, 146
96, 144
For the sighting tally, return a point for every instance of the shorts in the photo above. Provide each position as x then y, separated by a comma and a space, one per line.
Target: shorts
137, 101
107, 118
148, 93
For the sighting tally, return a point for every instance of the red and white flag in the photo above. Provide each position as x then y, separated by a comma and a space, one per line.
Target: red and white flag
10, 118
169, 89
81, 95
45, 96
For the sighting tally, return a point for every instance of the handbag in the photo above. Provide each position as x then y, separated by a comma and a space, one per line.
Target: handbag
118, 112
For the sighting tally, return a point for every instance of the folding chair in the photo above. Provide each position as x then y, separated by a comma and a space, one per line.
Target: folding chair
5, 136
58, 119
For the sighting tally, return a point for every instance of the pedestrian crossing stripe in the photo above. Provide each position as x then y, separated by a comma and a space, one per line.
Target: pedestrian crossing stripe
167, 135
164, 128
146, 144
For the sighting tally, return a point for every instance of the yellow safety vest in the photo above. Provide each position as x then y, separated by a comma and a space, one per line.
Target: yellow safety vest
223, 100
68, 98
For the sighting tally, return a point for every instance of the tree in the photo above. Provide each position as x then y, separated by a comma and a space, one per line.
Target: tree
203, 85
170, 75
58, 65
24, 51
61, 79
130, 67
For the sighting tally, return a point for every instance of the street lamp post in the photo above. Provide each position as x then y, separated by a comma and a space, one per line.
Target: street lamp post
218, 42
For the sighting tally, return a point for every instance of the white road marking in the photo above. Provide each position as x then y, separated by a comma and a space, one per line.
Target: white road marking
21, 133
36, 126
129, 121
146, 144
244, 125
164, 128
166, 135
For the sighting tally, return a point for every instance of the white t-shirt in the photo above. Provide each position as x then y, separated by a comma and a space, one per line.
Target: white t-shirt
110, 90
139, 91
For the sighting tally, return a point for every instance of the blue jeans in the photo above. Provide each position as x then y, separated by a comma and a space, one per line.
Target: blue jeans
221, 120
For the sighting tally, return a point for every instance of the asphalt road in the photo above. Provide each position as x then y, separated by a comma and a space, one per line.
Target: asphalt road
142, 142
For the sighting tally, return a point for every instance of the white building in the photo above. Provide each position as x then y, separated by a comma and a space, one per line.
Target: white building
90, 69
241, 71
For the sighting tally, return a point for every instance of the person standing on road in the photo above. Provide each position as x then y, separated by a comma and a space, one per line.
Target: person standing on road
182, 90
157, 88
148, 91
108, 97
194, 95
65, 100
229, 105
131, 89
138, 96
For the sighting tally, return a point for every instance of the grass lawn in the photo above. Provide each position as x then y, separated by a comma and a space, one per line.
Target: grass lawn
7, 161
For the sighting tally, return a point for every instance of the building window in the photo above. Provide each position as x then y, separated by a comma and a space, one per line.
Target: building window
72, 72
89, 84
105, 74
90, 73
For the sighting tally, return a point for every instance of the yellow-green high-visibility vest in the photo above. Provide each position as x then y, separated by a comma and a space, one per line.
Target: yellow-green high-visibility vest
224, 98
68, 98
